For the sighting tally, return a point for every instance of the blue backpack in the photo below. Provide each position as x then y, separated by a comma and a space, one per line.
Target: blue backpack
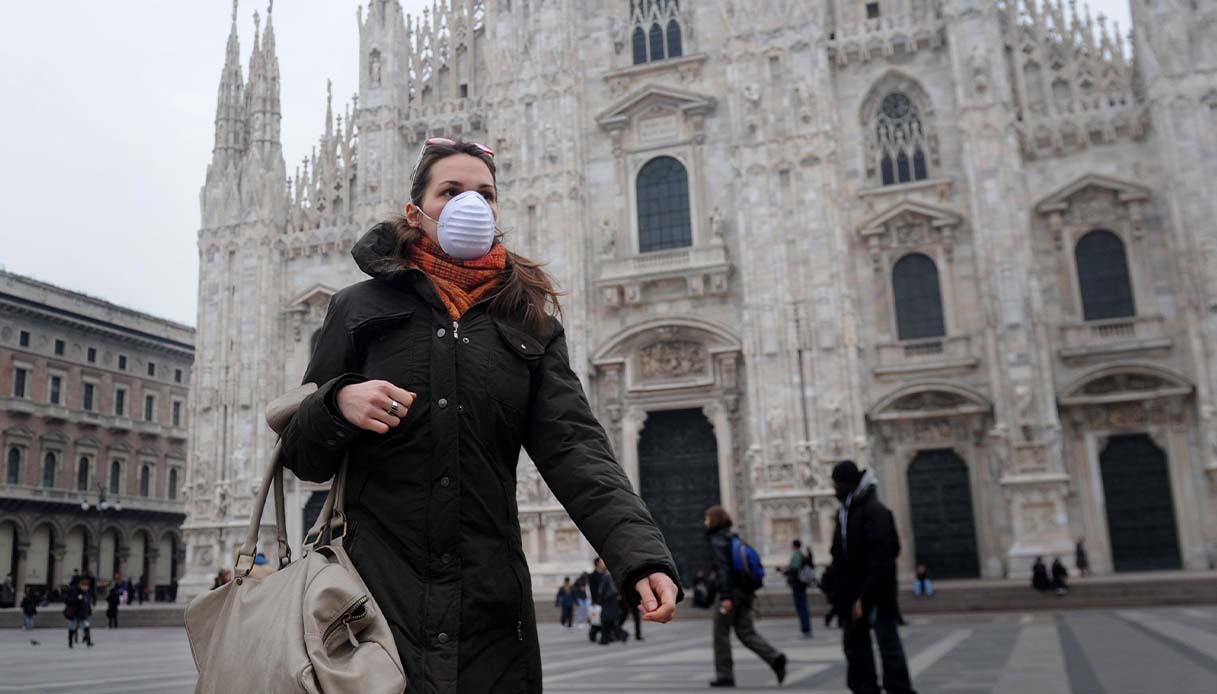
747, 565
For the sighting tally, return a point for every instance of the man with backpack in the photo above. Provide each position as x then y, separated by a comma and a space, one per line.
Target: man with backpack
740, 574
800, 575
864, 550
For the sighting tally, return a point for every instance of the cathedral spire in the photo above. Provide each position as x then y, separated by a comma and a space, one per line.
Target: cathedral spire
262, 93
230, 102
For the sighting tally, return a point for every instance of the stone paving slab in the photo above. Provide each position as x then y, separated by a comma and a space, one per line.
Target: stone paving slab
1073, 652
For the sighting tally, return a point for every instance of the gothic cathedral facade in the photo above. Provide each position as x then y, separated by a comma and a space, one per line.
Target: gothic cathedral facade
967, 243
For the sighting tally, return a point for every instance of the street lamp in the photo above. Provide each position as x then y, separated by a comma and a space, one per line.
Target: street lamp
101, 507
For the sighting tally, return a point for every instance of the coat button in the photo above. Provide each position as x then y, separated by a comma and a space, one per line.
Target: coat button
465, 340
443, 637
443, 402
444, 481
445, 557
441, 332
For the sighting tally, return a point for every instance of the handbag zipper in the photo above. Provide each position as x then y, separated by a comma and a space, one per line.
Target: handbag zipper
354, 612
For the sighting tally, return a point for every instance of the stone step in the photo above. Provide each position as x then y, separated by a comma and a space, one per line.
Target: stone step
154, 615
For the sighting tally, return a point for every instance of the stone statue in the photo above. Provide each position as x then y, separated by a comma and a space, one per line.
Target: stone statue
608, 239
718, 226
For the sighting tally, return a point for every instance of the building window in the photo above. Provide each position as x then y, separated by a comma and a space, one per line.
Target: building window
177, 375
663, 206
55, 394
23, 338
120, 402
87, 402
900, 141
172, 491
177, 413
918, 298
657, 30
145, 479
19, 378
59, 348
48, 470
122, 362
149, 408
1103, 276
640, 46
872, 10
12, 471
151, 368
91, 355
82, 474
675, 50
656, 42
116, 470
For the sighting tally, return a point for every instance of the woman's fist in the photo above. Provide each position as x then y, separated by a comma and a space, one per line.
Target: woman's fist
369, 405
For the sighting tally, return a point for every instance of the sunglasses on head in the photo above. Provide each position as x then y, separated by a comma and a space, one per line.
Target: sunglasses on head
431, 141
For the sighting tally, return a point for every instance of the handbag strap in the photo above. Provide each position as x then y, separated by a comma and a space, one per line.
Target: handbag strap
333, 514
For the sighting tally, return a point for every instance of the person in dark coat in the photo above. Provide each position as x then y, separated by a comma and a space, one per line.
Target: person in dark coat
1039, 576
113, 598
77, 609
798, 589
565, 600
826, 587
1081, 559
608, 628
1060, 577
582, 602
734, 606
864, 550
432, 375
29, 609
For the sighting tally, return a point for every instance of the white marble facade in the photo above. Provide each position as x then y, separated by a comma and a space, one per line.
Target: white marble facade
1027, 125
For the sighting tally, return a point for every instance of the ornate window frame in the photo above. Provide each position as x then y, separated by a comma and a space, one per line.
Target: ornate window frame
870, 114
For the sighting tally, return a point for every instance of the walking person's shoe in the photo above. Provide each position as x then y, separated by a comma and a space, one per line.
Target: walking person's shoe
88, 638
722, 683
71, 638
779, 667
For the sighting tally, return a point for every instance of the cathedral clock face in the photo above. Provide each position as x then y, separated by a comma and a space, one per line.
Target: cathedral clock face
896, 106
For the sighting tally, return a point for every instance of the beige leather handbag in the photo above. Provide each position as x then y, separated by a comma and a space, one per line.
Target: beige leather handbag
312, 626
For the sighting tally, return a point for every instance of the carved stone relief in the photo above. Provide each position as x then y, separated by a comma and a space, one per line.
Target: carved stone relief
672, 359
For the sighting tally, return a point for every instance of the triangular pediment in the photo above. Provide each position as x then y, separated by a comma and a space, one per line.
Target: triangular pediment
936, 216
1127, 191
19, 431
318, 293
654, 97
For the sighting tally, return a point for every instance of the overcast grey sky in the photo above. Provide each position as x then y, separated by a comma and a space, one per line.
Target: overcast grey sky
107, 130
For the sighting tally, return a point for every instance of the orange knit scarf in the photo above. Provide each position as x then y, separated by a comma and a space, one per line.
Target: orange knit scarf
459, 283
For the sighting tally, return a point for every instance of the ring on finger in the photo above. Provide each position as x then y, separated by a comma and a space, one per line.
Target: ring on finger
393, 407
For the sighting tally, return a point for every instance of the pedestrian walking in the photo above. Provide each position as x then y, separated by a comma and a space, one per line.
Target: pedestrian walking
583, 603
113, 598
826, 587
566, 601
1081, 559
141, 590
864, 550
434, 375
1060, 577
1039, 576
77, 609
736, 593
29, 608
800, 573
607, 628
922, 585
632, 612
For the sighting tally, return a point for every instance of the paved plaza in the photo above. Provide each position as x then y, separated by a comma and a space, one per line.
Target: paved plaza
1141, 651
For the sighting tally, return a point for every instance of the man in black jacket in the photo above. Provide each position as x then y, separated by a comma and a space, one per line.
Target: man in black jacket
864, 550
734, 607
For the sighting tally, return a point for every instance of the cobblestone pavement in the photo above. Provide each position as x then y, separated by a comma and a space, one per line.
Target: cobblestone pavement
1138, 651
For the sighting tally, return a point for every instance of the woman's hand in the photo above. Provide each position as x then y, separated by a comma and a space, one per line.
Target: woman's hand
368, 405
658, 598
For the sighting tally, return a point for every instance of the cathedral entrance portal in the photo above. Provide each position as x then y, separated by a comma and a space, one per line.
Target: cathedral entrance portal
678, 480
940, 501
1140, 510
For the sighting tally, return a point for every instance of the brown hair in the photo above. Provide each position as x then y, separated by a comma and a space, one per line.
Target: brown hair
719, 518
528, 294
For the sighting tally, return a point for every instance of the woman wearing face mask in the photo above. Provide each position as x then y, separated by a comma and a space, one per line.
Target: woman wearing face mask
433, 375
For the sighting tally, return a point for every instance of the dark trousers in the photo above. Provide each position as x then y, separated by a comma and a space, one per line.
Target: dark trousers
860, 659
637, 617
800, 606
739, 619
568, 615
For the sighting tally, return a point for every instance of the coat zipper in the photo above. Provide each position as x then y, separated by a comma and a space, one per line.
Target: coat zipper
456, 326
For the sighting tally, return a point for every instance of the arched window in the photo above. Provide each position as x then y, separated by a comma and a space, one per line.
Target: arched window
12, 473
918, 298
656, 42
900, 141
48, 470
145, 480
640, 46
82, 474
116, 469
1103, 276
675, 50
172, 491
663, 206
